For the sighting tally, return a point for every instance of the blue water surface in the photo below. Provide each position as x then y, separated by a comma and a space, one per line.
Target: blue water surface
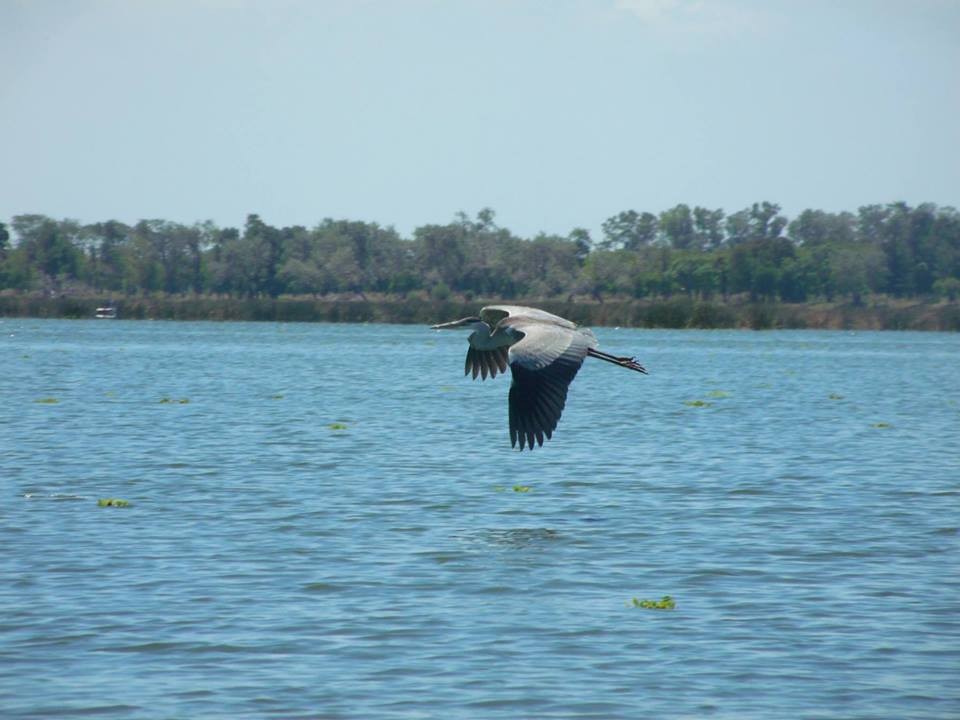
327, 521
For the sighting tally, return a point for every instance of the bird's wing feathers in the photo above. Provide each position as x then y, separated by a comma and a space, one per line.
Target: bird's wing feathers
492, 314
543, 363
485, 362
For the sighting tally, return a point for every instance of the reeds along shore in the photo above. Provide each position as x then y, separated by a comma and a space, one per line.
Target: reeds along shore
678, 312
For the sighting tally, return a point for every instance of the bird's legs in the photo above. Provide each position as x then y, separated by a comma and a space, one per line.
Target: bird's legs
627, 362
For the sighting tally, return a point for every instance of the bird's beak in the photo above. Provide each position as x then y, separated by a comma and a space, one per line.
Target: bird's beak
450, 325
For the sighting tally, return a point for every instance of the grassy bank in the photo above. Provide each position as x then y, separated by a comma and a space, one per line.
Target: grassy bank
680, 312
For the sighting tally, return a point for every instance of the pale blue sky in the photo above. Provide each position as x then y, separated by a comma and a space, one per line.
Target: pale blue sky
555, 114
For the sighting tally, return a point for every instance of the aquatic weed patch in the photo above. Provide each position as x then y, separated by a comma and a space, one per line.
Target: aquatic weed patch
718, 394
113, 502
664, 603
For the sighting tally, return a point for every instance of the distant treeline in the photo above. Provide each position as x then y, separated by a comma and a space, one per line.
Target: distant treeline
679, 311
754, 255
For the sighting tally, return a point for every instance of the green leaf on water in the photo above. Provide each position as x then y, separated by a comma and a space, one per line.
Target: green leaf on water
47, 401
664, 603
337, 426
522, 488
112, 502
696, 403
881, 425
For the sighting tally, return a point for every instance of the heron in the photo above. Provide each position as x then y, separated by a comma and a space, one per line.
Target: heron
544, 352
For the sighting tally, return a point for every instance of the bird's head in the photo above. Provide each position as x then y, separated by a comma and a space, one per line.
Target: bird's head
467, 323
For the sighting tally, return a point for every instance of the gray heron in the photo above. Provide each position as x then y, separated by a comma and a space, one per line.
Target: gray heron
544, 352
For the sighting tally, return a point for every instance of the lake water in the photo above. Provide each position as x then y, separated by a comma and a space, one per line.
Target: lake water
327, 521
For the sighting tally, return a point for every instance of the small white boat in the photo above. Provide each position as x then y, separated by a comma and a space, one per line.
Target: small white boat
108, 312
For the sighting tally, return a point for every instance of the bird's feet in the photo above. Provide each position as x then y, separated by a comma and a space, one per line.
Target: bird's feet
631, 364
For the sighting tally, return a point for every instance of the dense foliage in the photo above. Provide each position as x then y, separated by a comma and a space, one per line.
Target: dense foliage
894, 249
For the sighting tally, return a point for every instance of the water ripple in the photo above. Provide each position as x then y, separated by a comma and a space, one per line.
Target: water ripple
307, 537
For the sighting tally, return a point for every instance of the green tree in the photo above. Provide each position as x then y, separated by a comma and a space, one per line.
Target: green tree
856, 270
48, 247
761, 221
755, 266
871, 221
166, 256
262, 251
629, 230
584, 243
695, 274
738, 227
816, 227
766, 222
107, 248
708, 228
677, 227
441, 253
610, 272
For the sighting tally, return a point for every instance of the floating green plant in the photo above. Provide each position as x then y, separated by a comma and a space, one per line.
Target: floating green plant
47, 401
664, 603
522, 488
881, 425
112, 502
696, 403
337, 426
836, 396
718, 394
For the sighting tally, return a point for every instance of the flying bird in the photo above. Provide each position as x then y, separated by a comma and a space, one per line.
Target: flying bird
544, 352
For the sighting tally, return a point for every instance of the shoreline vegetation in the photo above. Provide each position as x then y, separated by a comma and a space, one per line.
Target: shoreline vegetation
677, 312
892, 266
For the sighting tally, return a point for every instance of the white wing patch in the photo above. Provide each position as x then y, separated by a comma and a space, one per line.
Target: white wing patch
543, 345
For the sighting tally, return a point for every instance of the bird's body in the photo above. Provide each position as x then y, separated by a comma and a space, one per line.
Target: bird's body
544, 353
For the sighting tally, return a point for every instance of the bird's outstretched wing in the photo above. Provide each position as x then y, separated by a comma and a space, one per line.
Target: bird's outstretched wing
493, 314
485, 362
543, 363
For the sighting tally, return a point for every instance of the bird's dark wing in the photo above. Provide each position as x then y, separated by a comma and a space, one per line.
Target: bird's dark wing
543, 363
485, 362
